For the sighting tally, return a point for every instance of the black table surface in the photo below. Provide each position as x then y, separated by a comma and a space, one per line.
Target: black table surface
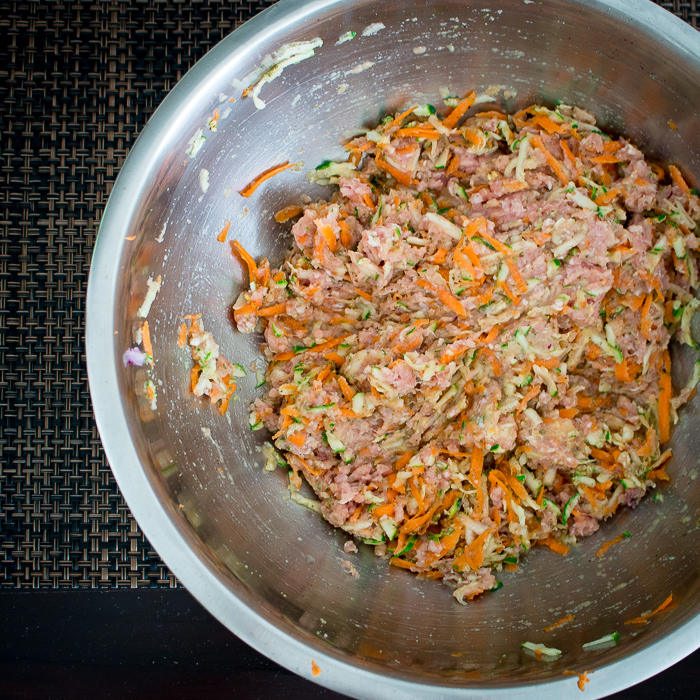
155, 643
87, 608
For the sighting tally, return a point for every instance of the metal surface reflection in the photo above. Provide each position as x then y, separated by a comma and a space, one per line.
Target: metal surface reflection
267, 568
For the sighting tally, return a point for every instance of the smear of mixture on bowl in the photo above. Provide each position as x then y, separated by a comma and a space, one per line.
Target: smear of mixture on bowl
468, 344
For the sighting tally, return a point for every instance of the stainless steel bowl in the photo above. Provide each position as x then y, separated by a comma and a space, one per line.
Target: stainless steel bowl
268, 569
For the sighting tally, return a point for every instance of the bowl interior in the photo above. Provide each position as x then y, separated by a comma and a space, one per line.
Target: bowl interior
280, 560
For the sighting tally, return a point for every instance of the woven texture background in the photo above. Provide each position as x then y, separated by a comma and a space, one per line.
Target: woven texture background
78, 81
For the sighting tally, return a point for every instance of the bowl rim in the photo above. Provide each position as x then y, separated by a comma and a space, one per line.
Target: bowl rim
199, 576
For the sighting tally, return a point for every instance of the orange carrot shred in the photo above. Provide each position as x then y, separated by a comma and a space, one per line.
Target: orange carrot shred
396, 121
402, 177
606, 158
473, 554
224, 232
270, 172
182, 336
287, 213
297, 439
559, 623
643, 619
678, 179
601, 552
247, 259
517, 277
665, 407
146, 338
555, 546
646, 321
364, 295
419, 132
450, 121
553, 163
582, 678
403, 460
315, 670
445, 296
275, 310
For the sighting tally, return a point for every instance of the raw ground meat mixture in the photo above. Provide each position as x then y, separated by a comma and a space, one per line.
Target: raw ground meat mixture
468, 343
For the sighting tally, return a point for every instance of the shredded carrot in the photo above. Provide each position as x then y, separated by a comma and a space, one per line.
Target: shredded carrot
419, 521
508, 292
451, 354
582, 678
194, 377
328, 235
364, 295
247, 309
517, 488
402, 563
491, 336
415, 492
315, 670
493, 361
345, 235
627, 370
553, 163
419, 132
531, 393
590, 494
275, 310
548, 125
335, 358
606, 197
224, 402
379, 511
403, 178
439, 256
445, 296
146, 338
653, 281
396, 121
297, 439
224, 232
678, 179
605, 158
323, 373
247, 259
643, 619
646, 321
559, 623
659, 474
476, 137
182, 336
403, 460
568, 153
450, 121
610, 543
270, 172
665, 407
475, 471
568, 412
523, 113
500, 247
473, 554
555, 546
601, 455
287, 213
517, 277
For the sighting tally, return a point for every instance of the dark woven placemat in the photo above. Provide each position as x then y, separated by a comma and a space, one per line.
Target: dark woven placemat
78, 82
